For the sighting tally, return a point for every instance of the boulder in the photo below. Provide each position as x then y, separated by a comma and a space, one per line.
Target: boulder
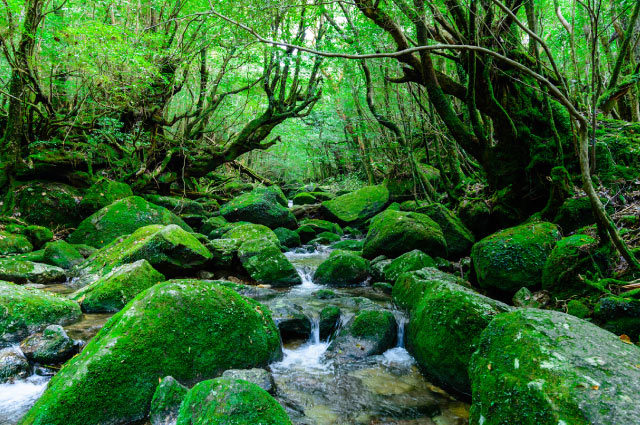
103, 193
349, 245
306, 233
178, 205
513, 258
459, 238
304, 198
287, 237
224, 252
342, 268
367, 333
13, 364
51, 346
62, 254
230, 401
266, 264
475, 214
18, 271
188, 329
166, 401
27, 310
48, 204
576, 213
257, 376
249, 231
329, 321
408, 262
547, 368
320, 226
14, 244
38, 235
122, 218
410, 287
325, 238
112, 292
392, 233
444, 330
290, 319
620, 315
356, 207
259, 207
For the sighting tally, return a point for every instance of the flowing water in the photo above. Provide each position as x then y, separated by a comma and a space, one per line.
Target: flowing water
383, 389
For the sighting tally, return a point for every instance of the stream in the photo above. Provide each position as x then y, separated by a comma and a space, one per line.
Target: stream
383, 389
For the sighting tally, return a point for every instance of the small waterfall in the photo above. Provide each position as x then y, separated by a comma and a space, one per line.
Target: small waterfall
401, 320
314, 338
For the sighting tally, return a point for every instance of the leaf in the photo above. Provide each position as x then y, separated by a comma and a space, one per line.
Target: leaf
625, 338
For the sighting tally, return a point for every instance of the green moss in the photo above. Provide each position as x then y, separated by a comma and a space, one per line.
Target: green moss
26, 271
112, 292
329, 320
392, 233
576, 213
578, 309
225, 401
266, 264
349, 245
250, 231
48, 204
14, 244
178, 205
513, 258
52, 346
166, 401
369, 332
444, 331
27, 310
38, 235
459, 238
212, 227
620, 315
320, 226
475, 214
259, 207
104, 192
325, 238
62, 254
342, 268
306, 233
188, 329
411, 286
356, 207
224, 252
408, 262
287, 237
539, 367
304, 198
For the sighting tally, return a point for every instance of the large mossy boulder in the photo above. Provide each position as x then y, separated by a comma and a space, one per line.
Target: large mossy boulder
260, 206
225, 401
356, 207
369, 332
475, 213
122, 218
342, 268
321, 226
48, 204
18, 271
265, 263
62, 254
113, 291
411, 286
392, 233
191, 330
514, 258
539, 367
407, 262
169, 249
287, 237
573, 259
38, 235
103, 193
27, 310
14, 244
459, 238
250, 231
304, 198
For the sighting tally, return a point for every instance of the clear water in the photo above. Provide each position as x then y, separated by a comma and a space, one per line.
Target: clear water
17, 397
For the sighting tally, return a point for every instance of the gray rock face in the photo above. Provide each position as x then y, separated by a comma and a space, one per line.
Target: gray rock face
52, 346
257, 376
13, 364
291, 320
26, 271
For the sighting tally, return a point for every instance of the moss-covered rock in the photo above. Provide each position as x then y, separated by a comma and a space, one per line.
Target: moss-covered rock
408, 262
476, 215
191, 330
266, 264
249, 231
444, 331
18, 271
62, 254
576, 213
169, 249
306, 233
411, 286
573, 259
287, 237
28, 310
258, 376
349, 245
538, 367
329, 320
320, 226
38, 235
51, 346
259, 207
178, 205
273, 193
104, 192
325, 238
304, 198
356, 207
367, 333
14, 244
459, 238
113, 291
513, 258
13, 364
166, 401
224, 252
620, 315
122, 218
579, 309
48, 204
290, 319
212, 227
524, 298
392, 233
224, 401
342, 268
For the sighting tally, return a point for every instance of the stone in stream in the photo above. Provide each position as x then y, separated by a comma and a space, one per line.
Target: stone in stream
230, 401
514, 258
325, 238
392, 233
349, 245
410, 287
367, 333
112, 292
27, 271
287, 237
354, 208
266, 264
342, 268
166, 402
121, 218
250, 231
304, 198
320, 226
103, 193
547, 368
62, 254
329, 321
306, 233
13, 364
290, 319
51, 346
377, 267
189, 329
260, 377
27, 310
408, 262
14, 244
459, 238
260, 206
